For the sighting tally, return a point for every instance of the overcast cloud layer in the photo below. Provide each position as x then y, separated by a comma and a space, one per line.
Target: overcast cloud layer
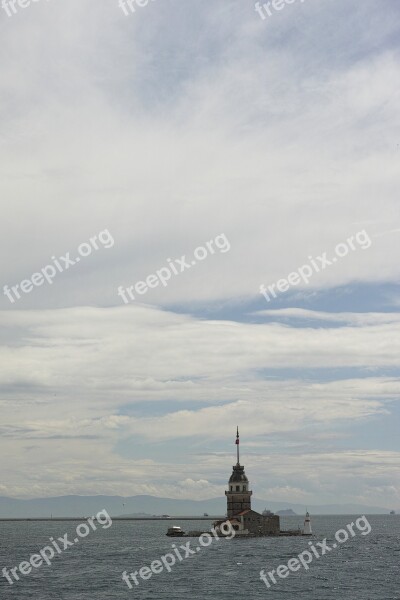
167, 128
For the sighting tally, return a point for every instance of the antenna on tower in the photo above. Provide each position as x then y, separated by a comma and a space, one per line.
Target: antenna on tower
237, 444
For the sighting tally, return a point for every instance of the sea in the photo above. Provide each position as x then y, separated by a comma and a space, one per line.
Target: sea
365, 567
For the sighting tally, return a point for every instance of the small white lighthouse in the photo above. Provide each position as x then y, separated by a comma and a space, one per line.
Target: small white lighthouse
307, 525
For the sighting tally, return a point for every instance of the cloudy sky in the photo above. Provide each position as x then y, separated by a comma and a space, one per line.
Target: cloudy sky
159, 131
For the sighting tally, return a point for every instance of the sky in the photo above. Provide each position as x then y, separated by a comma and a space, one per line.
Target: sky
198, 136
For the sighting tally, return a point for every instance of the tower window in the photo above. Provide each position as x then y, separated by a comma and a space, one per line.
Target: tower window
238, 488
244, 488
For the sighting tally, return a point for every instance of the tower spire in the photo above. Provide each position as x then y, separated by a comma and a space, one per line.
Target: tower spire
237, 444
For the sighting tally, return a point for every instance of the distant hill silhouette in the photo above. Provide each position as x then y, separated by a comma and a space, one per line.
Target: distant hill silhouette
288, 512
83, 506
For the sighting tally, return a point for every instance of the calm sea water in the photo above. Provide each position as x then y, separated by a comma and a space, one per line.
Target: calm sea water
363, 568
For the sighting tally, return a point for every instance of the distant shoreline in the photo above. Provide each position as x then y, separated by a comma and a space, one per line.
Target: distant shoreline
216, 518
172, 518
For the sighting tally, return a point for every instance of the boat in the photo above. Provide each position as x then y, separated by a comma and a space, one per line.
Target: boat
392, 512
175, 532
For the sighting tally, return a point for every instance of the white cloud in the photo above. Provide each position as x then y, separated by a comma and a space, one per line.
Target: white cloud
99, 149
168, 128
69, 375
362, 318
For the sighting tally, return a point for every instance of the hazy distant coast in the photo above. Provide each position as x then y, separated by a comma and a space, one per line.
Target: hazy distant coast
76, 506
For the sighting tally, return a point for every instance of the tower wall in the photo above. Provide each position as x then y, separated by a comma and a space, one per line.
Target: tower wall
237, 502
259, 525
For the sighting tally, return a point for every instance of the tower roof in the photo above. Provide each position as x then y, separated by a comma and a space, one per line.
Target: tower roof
238, 475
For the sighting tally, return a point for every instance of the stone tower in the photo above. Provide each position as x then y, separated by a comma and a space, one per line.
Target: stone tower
238, 495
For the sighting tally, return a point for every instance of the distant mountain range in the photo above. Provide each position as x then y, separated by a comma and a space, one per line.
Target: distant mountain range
288, 512
83, 506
